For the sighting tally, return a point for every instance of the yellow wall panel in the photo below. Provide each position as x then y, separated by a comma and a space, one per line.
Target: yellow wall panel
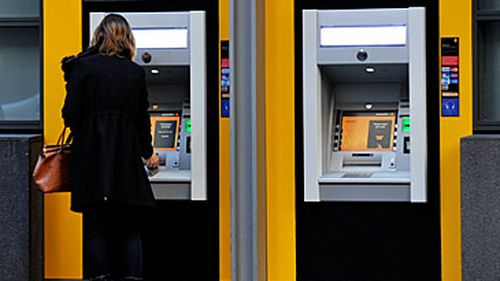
455, 21
280, 140
62, 36
225, 169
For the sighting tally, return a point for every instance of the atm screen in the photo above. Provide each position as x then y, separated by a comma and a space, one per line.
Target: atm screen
165, 131
362, 131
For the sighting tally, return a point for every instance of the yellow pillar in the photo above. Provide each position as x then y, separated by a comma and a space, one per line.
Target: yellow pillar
455, 21
63, 235
280, 135
225, 169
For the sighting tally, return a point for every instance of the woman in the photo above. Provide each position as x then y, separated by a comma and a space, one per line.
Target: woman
106, 108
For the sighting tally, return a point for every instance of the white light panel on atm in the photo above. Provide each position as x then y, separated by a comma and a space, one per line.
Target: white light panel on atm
345, 36
161, 38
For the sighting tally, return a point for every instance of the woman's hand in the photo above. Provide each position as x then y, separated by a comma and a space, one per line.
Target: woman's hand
153, 162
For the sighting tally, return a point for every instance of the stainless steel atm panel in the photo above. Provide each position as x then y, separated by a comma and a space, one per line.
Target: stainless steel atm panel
364, 105
171, 49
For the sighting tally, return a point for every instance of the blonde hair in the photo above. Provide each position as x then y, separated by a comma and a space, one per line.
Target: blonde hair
113, 36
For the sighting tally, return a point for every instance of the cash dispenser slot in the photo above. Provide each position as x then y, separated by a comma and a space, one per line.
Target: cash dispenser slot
362, 160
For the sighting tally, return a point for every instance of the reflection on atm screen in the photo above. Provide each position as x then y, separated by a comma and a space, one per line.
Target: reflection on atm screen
363, 131
165, 132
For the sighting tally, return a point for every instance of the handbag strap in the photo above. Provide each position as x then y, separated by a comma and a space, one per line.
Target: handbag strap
61, 141
69, 139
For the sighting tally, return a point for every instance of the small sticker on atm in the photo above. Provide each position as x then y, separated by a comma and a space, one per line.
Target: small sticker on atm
450, 107
450, 94
449, 60
225, 107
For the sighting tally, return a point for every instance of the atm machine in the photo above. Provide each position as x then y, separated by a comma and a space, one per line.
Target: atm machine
364, 105
171, 49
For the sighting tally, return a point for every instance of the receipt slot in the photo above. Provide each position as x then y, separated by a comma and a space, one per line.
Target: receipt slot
364, 105
171, 49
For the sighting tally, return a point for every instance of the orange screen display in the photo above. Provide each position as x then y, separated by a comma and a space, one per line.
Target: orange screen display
165, 131
367, 132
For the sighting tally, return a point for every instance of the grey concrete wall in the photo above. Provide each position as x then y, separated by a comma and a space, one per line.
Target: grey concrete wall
480, 187
21, 210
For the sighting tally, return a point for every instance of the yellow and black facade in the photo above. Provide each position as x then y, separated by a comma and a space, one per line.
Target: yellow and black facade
190, 240
325, 241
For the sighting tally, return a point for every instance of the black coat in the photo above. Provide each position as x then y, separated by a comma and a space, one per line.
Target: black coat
106, 108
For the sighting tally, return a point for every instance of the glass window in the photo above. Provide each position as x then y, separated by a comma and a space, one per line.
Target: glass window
487, 66
19, 8
486, 5
489, 70
19, 74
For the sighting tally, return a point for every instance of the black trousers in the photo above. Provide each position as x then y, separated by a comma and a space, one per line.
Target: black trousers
112, 244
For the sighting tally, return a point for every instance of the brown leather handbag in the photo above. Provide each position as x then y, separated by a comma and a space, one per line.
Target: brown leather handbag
52, 171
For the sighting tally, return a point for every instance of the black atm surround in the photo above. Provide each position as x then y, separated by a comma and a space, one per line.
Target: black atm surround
181, 238
371, 241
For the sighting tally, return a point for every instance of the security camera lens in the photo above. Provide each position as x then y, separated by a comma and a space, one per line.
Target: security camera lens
362, 55
146, 57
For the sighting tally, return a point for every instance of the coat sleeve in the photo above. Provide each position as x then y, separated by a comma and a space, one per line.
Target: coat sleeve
143, 121
72, 109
